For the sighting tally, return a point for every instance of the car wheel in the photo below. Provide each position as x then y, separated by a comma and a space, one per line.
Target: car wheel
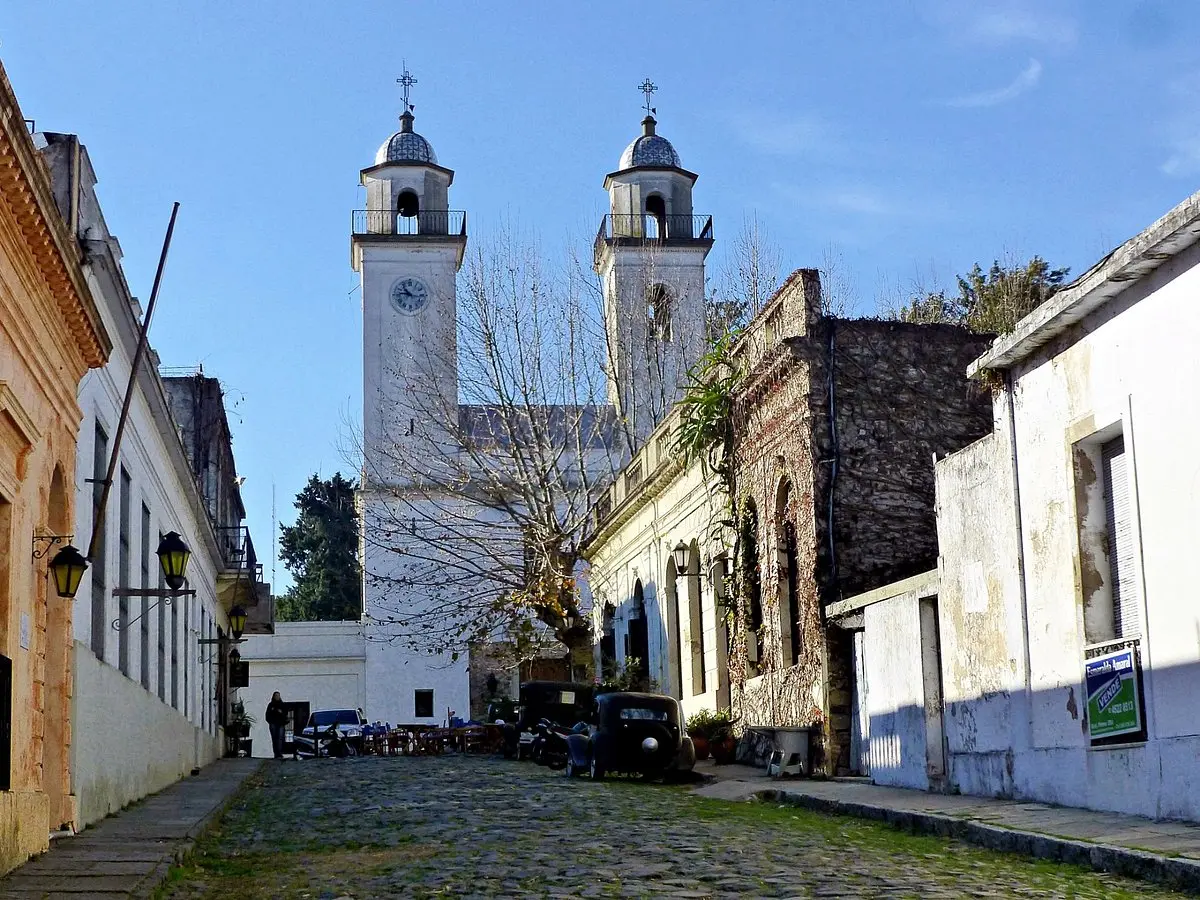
595, 770
569, 769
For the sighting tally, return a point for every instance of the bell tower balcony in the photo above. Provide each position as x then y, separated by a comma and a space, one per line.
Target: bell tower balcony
382, 226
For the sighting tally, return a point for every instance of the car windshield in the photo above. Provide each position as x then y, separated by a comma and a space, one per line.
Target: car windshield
335, 717
652, 715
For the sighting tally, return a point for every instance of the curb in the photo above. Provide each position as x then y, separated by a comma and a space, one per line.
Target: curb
1176, 873
150, 883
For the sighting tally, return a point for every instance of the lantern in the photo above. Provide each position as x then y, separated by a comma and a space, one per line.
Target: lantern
68, 567
173, 556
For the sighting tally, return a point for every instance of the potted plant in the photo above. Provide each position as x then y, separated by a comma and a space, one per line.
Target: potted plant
237, 729
722, 742
699, 729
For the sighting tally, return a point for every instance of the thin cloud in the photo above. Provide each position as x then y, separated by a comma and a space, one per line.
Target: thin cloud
781, 135
1003, 26
1026, 81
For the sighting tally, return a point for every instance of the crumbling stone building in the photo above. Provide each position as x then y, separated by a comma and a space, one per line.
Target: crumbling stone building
837, 425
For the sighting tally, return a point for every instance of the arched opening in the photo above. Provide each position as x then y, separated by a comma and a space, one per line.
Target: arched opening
751, 580
656, 217
658, 312
674, 643
608, 643
56, 757
637, 636
789, 607
696, 621
408, 209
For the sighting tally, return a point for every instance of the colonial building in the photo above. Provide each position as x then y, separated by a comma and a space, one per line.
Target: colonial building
51, 333
836, 423
1069, 633
136, 659
425, 548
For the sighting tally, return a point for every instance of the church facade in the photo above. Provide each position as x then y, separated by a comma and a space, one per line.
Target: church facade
432, 505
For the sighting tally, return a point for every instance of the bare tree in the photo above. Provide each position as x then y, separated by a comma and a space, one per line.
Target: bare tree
749, 276
477, 507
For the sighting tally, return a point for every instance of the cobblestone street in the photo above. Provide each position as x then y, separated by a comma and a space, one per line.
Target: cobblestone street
472, 827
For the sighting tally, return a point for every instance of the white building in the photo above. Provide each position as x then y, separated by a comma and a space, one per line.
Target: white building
1067, 636
313, 665
148, 699
408, 246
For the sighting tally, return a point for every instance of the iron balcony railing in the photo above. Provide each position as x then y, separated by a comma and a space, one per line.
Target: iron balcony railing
647, 227
237, 550
430, 222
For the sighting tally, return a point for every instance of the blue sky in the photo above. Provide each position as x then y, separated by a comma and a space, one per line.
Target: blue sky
905, 139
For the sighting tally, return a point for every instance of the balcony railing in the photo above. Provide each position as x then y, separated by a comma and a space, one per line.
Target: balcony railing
427, 223
646, 227
237, 551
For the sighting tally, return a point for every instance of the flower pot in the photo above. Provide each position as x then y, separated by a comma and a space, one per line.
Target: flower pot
700, 742
724, 750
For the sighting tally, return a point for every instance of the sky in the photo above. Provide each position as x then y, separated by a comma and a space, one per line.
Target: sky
895, 142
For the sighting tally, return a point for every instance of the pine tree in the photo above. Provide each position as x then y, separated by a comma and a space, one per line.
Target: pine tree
321, 551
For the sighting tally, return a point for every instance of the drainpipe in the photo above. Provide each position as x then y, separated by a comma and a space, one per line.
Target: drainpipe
1010, 400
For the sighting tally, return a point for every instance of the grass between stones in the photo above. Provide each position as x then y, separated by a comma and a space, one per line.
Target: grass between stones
434, 828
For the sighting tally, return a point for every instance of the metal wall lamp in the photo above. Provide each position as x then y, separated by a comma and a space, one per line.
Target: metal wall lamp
681, 553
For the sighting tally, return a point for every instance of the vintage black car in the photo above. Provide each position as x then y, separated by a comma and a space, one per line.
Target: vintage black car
562, 702
640, 734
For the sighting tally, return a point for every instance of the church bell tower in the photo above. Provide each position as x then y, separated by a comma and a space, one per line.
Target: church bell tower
650, 255
407, 247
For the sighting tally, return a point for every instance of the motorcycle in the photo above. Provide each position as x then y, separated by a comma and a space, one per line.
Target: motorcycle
549, 746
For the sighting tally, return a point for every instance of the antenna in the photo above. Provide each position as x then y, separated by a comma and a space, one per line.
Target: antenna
274, 535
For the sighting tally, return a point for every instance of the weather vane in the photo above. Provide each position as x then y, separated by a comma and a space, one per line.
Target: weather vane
406, 81
648, 87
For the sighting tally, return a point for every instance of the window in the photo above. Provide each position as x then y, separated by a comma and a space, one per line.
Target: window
658, 312
162, 636
751, 580
1122, 550
187, 633
656, 217
696, 622
145, 616
123, 575
787, 593
98, 570
423, 704
5, 723
174, 643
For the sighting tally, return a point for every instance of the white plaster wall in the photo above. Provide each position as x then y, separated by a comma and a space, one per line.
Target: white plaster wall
321, 663
896, 693
1132, 363
126, 742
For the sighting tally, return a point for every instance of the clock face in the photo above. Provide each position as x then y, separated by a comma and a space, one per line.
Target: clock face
409, 295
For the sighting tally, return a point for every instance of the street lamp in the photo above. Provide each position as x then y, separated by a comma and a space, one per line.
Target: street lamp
173, 556
237, 622
681, 554
67, 567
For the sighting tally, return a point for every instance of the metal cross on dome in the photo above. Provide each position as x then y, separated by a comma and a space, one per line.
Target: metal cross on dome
648, 87
406, 81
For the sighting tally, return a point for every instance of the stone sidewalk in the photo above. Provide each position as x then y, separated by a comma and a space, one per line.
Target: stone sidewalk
129, 853
1164, 852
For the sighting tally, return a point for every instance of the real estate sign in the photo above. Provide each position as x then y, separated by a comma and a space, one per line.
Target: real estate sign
1112, 694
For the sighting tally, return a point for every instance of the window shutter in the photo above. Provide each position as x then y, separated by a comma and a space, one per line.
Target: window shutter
1122, 552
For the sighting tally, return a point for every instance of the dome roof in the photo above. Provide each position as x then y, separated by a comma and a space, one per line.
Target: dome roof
406, 146
649, 149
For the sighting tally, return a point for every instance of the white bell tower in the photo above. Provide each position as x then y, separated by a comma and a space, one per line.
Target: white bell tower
407, 246
650, 256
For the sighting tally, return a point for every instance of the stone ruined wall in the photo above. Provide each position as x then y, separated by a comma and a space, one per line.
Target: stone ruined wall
491, 659
901, 395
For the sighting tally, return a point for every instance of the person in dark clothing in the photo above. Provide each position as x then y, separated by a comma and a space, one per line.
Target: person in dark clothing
276, 720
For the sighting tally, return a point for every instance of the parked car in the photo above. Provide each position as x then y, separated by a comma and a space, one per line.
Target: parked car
331, 727
633, 733
561, 702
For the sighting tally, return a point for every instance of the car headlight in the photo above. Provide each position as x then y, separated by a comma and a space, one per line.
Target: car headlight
353, 732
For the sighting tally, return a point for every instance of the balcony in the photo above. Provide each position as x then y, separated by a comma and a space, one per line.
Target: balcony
620, 229
240, 580
383, 223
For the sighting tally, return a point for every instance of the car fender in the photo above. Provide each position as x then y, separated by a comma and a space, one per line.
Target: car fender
686, 760
579, 749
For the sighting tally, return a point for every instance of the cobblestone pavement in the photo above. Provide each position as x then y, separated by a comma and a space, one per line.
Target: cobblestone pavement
474, 827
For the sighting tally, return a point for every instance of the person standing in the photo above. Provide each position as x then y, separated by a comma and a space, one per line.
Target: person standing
276, 720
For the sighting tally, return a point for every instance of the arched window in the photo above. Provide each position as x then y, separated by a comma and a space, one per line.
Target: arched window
637, 637
789, 606
408, 211
696, 620
658, 312
674, 643
656, 217
752, 588
608, 643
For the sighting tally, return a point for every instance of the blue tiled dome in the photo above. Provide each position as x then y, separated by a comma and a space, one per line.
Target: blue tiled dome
649, 149
406, 146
